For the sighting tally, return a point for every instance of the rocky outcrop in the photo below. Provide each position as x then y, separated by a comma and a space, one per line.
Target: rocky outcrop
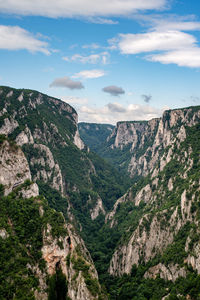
25, 137
14, 168
3, 234
171, 272
97, 210
65, 257
47, 169
78, 142
31, 191
9, 126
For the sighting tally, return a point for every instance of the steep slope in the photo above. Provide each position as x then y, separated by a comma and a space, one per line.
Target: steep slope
158, 218
41, 256
46, 128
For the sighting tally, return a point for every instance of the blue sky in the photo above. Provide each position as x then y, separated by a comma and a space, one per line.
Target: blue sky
112, 61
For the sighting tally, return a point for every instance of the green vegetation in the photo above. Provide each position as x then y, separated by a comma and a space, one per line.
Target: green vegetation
20, 248
92, 283
135, 287
94, 135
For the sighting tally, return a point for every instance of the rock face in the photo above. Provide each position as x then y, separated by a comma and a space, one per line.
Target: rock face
47, 169
14, 169
172, 272
78, 142
66, 257
166, 203
95, 212
144, 142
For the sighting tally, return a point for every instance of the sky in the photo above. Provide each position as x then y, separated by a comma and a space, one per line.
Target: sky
116, 60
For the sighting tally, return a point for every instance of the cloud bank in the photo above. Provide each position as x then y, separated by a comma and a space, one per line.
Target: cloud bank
78, 8
165, 43
114, 112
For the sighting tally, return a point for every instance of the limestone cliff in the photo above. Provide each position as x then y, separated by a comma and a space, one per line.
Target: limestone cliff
143, 143
163, 207
14, 169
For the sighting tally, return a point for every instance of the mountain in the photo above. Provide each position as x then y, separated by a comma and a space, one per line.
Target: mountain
42, 145
69, 220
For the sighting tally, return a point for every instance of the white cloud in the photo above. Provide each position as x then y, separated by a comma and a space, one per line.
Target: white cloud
163, 25
78, 8
98, 20
154, 41
183, 58
88, 74
102, 57
75, 100
114, 112
17, 38
165, 42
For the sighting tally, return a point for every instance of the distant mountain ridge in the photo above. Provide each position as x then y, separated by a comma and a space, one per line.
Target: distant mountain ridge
94, 134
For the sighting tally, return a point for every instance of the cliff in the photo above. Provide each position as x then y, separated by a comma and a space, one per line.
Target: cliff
163, 209
36, 242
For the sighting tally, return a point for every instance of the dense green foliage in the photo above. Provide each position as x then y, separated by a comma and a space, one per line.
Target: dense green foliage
20, 249
135, 286
94, 135
80, 264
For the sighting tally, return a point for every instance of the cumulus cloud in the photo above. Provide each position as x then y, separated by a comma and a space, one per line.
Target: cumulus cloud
89, 74
89, 59
17, 38
113, 90
114, 112
154, 41
78, 8
147, 98
182, 57
66, 82
166, 42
